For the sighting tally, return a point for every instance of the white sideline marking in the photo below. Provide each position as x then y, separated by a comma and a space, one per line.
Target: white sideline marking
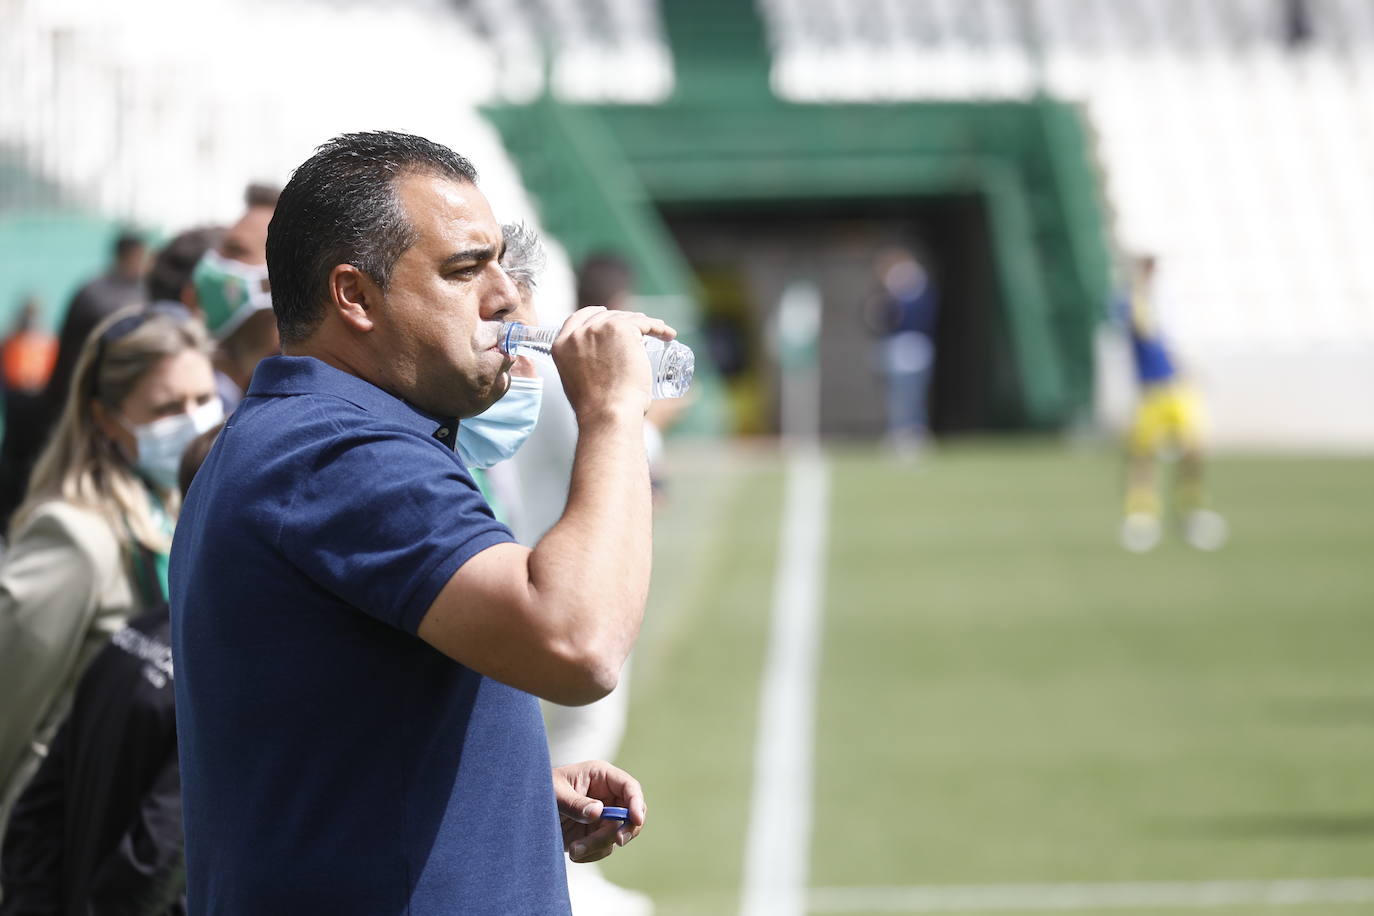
779, 843
1063, 897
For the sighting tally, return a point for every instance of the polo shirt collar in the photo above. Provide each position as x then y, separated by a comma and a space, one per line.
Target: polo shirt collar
283, 376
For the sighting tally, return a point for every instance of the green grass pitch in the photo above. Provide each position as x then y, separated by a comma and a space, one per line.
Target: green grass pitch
1005, 695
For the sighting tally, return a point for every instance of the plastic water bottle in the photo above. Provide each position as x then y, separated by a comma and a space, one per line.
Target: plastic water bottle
671, 362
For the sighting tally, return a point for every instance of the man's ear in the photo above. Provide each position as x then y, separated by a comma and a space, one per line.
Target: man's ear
353, 294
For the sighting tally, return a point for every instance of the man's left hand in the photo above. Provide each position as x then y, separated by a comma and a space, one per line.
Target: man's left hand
582, 791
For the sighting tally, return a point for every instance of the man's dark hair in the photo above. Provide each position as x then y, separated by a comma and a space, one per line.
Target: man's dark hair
602, 278
340, 207
174, 264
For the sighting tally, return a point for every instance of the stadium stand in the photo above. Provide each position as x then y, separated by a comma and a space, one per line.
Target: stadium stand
1233, 137
115, 115
1235, 142
600, 50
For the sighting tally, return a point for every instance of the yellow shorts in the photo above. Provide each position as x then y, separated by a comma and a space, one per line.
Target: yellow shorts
1169, 416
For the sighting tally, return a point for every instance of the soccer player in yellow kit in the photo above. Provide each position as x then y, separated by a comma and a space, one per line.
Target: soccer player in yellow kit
1167, 421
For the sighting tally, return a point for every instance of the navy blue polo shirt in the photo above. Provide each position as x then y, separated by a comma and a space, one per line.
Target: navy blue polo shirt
333, 762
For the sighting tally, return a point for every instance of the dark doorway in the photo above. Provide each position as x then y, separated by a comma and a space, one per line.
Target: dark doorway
745, 255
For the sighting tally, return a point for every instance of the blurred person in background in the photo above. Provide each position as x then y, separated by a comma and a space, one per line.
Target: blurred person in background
168, 283
386, 752
534, 487
98, 829
26, 358
232, 293
29, 353
1167, 422
88, 546
904, 314
488, 441
607, 279
120, 287
169, 279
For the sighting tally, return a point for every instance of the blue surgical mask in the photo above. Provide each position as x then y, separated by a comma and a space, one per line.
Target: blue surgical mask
161, 442
496, 434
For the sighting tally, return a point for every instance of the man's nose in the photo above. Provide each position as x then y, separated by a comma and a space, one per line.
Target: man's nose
504, 297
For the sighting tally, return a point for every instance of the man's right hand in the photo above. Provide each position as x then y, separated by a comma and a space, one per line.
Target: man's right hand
558, 621
600, 359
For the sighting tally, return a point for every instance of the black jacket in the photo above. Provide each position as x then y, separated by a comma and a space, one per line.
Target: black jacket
98, 830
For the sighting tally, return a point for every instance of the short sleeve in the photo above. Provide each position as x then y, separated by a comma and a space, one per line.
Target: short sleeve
383, 519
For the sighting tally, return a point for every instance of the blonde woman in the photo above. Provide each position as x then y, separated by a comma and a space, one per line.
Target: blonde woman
88, 546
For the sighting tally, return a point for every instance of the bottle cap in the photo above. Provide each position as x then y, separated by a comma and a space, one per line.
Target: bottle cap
611, 812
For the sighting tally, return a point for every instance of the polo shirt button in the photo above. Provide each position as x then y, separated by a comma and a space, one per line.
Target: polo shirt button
442, 433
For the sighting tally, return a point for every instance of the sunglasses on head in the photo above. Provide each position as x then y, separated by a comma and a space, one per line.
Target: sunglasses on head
128, 325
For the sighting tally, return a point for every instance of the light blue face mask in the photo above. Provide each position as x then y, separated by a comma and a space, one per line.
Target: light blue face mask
497, 433
162, 442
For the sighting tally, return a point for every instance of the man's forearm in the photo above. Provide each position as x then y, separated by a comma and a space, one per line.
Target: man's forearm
595, 562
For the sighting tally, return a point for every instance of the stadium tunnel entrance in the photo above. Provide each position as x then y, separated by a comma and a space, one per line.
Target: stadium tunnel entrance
744, 256
1001, 196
